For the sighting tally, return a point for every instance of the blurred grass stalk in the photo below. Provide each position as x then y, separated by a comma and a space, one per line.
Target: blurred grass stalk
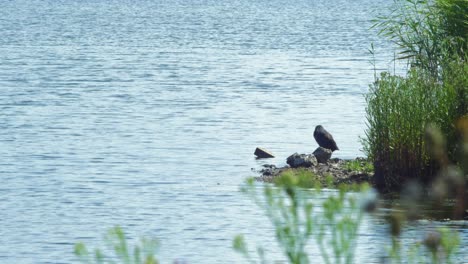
332, 225
142, 253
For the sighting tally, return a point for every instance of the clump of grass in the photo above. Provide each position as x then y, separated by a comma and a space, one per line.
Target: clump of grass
304, 178
359, 166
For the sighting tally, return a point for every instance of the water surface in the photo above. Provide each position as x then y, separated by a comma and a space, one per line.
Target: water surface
146, 115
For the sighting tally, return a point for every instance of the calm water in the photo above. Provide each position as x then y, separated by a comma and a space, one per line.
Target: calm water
146, 114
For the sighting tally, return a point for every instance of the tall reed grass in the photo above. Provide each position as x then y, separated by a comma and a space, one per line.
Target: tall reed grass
432, 37
428, 33
398, 110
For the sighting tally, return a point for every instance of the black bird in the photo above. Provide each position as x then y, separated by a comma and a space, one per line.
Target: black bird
324, 139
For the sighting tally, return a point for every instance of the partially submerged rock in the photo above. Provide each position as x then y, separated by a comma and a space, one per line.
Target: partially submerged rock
301, 160
322, 154
263, 154
270, 170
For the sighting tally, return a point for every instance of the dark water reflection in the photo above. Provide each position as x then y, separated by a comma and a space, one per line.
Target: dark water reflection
146, 115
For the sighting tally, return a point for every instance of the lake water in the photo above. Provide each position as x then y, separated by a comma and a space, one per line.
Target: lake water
145, 114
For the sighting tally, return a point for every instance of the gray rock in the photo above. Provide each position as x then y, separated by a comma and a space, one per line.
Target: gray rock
322, 154
262, 153
301, 160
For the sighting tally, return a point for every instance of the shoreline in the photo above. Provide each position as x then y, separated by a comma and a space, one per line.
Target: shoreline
351, 172
341, 171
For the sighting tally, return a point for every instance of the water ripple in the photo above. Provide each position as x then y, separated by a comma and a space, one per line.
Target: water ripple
145, 114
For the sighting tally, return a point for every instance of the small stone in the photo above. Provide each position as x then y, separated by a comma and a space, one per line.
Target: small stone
322, 154
262, 153
322, 168
301, 160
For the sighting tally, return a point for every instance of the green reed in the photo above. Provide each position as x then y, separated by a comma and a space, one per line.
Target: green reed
431, 36
428, 33
398, 110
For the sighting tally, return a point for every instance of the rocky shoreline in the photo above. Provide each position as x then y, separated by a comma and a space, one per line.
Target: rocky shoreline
342, 171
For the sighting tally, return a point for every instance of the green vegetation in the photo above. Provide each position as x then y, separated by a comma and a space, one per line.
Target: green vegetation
144, 253
308, 179
398, 111
359, 166
432, 37
437, 246
429, 33
305, 178
332, 225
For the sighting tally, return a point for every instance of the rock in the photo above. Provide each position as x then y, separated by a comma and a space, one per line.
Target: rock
262, 154
301, 160
322, 154
322, 168
269, 170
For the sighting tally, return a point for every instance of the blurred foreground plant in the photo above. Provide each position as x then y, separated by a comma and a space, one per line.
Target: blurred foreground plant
437, 246
144, 253
451, 181
333, 224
